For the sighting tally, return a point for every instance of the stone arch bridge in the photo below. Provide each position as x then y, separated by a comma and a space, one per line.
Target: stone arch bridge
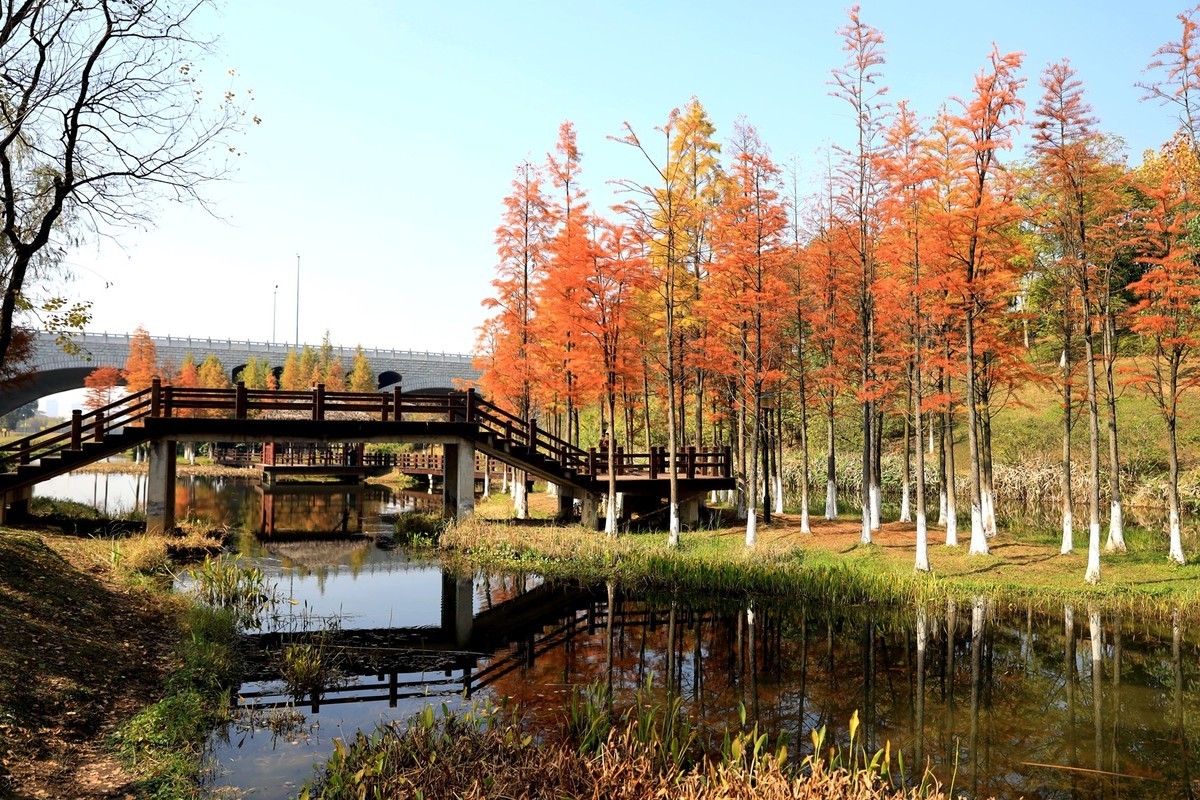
52, 370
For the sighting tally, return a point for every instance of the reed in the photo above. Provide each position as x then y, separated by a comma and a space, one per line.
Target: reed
225, 582
486, 753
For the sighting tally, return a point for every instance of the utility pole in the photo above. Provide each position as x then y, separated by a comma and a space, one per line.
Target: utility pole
297, 302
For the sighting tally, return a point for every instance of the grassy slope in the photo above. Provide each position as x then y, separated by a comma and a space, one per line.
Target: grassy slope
79, 654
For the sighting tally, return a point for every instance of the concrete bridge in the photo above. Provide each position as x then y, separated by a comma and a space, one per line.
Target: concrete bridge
52, 370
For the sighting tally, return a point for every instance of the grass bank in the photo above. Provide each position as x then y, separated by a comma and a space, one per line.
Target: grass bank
109, 684
830, 563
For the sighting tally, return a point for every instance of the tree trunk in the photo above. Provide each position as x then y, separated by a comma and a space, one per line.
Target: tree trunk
951, 488
1089, 354
905, 484
1064, 479
831, 509
1176, 546
922, 555
1116, 526
979, 545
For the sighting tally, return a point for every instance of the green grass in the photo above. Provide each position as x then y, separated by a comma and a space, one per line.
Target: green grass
1024, 564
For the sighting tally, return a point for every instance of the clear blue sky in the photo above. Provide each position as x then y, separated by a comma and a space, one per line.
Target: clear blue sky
390, 131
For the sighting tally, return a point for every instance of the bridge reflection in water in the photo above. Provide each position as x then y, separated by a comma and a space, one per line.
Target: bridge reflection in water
1005, 702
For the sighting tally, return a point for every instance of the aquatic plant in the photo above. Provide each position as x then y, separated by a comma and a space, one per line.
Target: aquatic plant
488, 753
225, 582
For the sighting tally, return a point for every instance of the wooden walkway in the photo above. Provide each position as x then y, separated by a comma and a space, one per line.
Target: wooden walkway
164, 413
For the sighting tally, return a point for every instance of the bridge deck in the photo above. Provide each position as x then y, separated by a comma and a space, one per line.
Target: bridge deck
166, 413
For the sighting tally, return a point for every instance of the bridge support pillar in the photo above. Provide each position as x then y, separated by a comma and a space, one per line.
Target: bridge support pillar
689, 512
458, 479
160, 488
15, 504
458, 612
590, 513
566, 502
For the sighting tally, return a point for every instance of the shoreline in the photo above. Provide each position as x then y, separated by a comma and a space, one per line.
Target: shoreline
1023, 566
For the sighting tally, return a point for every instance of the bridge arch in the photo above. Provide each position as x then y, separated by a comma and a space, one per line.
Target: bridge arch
51, 370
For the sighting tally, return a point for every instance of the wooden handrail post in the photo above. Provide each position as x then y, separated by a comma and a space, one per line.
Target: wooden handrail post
76, 429
155, 396
532, 435
691, 463
470, 405
617, 467
24, 457
98, 428
240, 401
727, 467
396, 393
591, 462
383, 411
319, 402
653, 462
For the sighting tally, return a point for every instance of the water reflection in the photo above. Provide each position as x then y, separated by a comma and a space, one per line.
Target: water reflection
1004, 701
1024, 732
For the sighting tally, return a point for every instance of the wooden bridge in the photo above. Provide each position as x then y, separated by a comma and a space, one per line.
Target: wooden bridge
344, 459
462, 423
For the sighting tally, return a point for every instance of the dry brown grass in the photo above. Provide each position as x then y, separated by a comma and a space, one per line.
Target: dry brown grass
474, 763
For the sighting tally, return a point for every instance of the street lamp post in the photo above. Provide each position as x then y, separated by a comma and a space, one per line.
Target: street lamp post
297, 302
274, 308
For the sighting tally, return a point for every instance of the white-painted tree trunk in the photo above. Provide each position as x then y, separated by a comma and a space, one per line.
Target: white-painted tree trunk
1068, 532
778, 498
1093, 568
1176, 553
831, 499
922, 544
1116, 529
979, 545
673, 525
751, 529
866, 523
520, 497
610, 515
905, 506
989, 512
876, 505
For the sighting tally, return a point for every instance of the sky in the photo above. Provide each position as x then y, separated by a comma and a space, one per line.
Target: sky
368, 196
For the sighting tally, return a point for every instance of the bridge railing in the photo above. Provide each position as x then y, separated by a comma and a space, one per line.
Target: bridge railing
524, 433
317, 404
93, 426
689, 463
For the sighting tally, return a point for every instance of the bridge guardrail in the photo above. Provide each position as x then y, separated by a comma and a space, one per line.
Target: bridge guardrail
166, 401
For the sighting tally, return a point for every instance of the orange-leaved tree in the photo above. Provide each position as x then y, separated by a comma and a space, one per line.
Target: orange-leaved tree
606, 314
982, 228
1167, 311
103, 387
141, 368
508, 366
906, 245
746, 299
859, 190
1080, 184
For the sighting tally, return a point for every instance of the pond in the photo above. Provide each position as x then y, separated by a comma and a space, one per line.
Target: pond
995, 699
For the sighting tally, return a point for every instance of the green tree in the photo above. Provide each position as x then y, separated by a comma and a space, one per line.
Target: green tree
13, 419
